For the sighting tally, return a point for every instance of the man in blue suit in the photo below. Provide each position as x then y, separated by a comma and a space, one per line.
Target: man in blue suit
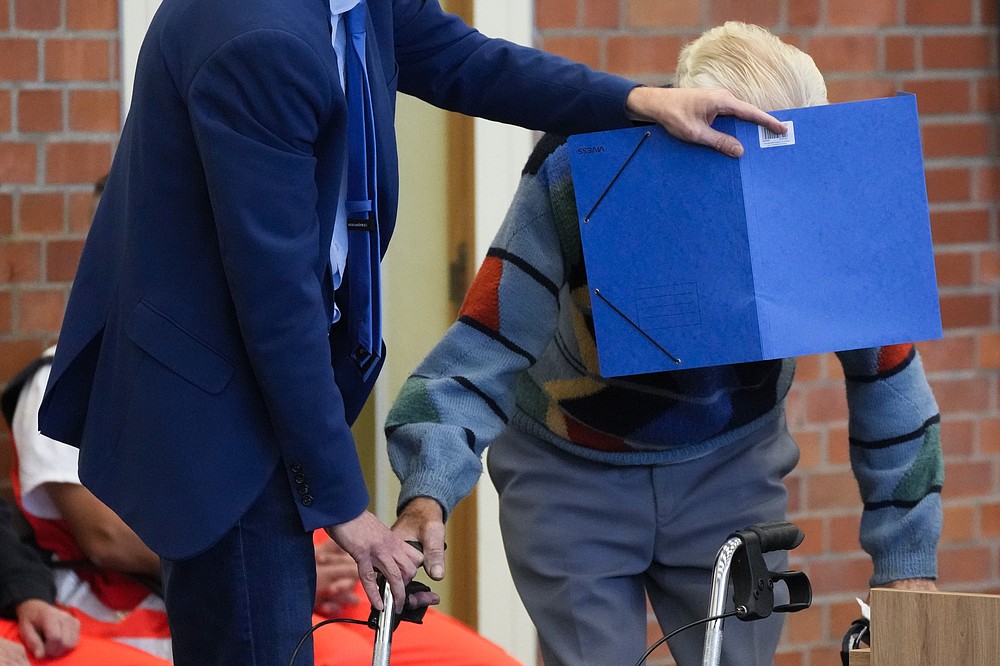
194, 365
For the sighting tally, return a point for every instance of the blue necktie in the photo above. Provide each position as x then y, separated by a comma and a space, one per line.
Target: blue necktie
364, 316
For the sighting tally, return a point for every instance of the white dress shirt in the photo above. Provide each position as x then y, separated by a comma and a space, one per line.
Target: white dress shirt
338, 246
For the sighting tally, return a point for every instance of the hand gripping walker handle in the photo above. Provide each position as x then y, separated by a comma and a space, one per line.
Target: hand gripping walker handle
386, 621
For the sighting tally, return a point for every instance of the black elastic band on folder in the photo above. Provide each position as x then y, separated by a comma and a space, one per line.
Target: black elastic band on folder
636, 326
608, 188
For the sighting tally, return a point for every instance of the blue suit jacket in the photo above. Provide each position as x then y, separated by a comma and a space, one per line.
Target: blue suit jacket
196, 351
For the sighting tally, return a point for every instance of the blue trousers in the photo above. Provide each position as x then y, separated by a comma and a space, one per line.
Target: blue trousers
247, 600
586, 542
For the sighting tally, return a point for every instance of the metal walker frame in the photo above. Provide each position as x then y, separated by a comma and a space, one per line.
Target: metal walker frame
741, 561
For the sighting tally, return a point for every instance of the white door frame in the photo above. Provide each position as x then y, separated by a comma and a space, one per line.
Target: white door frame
500, 152
134, 17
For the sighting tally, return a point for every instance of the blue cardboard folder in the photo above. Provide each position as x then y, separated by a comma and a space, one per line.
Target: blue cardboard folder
815, 241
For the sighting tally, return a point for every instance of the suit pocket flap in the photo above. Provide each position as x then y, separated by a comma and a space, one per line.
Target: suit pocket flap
178, 350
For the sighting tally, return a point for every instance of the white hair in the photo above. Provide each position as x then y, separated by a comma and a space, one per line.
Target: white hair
752, 64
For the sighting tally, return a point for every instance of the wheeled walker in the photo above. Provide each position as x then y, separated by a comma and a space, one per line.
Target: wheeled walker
386, 621
741, 561
383, 622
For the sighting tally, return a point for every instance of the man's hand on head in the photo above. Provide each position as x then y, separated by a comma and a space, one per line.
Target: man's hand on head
688, 114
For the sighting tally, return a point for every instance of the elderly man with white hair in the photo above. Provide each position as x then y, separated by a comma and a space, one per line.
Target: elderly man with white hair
615, 489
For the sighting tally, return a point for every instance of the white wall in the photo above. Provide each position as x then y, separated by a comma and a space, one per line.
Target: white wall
416, 310
134, 17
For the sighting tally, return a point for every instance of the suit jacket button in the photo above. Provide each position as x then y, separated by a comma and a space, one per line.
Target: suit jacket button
307, 500
304, 489
296, 468
300, 478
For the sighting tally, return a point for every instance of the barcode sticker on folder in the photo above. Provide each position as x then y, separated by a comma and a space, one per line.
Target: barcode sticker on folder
769, 139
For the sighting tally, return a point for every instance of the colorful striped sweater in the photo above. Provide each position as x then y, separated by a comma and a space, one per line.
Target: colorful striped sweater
522, 355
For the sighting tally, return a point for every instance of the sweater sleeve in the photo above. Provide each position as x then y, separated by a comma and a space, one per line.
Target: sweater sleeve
458, 399
895, 451
23, 575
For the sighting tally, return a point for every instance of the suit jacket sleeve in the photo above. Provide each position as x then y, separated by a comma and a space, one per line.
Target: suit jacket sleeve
256, 125
445, 62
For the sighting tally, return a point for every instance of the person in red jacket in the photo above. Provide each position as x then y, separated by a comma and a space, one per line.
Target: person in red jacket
70, 521
32, 629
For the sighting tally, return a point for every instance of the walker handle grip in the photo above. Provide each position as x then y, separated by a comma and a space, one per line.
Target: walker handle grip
778, 535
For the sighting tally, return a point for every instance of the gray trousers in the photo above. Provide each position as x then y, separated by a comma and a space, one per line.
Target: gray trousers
587, 541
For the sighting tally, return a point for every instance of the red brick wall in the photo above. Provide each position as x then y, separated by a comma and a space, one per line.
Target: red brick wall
946, 53
59, 119
59, 101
